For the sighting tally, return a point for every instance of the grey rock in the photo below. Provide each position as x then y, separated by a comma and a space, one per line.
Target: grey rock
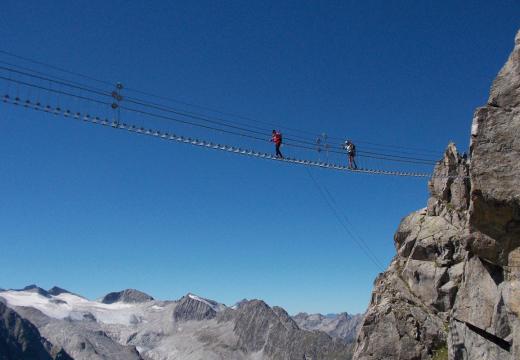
190, 308
89, 317
19, 339
55, 290
495, 169
450, 185
58, 301
79, 339
505, 91
477, 297
342, 326
272, 331
239, 303
398, 323
454, 285
126, 296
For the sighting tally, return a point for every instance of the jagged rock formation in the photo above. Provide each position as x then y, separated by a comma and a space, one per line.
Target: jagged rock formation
19, 339
453, 289
487, 308
342, 326
126, 296
191, 307
411, 301
272, 332
190, 328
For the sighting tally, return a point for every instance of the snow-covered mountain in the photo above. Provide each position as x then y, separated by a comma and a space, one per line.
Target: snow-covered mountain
132, 325
19, 339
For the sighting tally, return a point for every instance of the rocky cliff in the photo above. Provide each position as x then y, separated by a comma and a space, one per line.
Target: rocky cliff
453, 289
19, 339
273, 334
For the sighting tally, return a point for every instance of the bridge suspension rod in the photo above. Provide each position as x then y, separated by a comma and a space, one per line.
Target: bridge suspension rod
115, 124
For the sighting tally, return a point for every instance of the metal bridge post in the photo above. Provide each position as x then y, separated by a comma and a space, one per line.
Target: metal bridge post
116, 94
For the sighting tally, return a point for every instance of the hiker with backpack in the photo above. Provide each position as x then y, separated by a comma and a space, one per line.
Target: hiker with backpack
351, 151
276, 137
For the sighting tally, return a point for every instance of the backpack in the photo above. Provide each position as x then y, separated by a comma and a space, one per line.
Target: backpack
351, 149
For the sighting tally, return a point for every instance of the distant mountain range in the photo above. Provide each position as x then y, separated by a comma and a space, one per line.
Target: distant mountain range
342, 326
58, 324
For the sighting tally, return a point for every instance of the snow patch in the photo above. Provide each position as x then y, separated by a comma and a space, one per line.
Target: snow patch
37, 301
198, 298
74, 307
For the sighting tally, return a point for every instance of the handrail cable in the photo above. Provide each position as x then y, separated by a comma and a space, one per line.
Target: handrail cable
61, 69
159, 116
199, 117
207, 144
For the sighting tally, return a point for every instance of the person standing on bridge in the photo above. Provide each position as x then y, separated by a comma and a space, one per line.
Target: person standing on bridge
276, 137
351, 151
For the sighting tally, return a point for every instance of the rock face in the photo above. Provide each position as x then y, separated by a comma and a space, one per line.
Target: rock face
411, 301
82, 340
19, 339
487, 308
191, 307
453, 289
126, 296
342, 326
271, 331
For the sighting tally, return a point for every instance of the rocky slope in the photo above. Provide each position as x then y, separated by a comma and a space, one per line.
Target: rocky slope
126, 296
19, 339
343, 326
138, 327
453, 289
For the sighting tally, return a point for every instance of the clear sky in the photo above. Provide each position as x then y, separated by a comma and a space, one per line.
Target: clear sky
95, 210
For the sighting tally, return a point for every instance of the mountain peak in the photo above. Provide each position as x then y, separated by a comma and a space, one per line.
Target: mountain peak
505, 92
211, 303
126, 296
35, 289
55, 291
193, 307
239, 303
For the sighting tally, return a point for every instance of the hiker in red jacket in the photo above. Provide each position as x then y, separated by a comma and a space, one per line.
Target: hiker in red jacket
277, 139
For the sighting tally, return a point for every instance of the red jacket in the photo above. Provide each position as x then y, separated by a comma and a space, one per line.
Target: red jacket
277, 138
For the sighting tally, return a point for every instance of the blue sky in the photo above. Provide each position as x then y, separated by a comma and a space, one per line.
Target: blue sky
95, 210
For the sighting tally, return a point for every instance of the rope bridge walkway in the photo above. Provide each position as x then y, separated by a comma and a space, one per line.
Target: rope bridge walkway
202, 143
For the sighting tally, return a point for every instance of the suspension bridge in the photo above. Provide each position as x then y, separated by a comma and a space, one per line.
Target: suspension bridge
40, 91
43, 92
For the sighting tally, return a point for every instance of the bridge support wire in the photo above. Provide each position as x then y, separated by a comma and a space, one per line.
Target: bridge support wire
114, 124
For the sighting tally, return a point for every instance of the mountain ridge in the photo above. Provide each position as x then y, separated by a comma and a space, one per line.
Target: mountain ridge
191, 327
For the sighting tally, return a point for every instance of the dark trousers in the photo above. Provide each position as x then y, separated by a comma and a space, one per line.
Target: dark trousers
352, 161
278, 153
